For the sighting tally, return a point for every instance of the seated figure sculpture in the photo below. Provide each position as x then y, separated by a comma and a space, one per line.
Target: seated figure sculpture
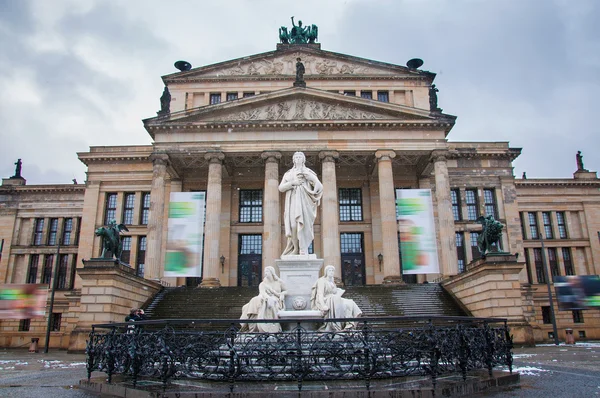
327, 298
268, 303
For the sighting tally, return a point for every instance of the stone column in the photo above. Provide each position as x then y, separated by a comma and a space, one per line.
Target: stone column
387, 207
330, 230
212, 227
445, 219
271, 209
154, 255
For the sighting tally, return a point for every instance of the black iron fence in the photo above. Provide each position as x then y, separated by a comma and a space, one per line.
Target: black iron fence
380, 347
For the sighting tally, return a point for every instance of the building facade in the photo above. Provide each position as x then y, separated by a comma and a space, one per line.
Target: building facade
367, 128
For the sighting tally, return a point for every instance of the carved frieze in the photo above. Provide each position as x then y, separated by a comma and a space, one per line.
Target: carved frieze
302, 109
286, 65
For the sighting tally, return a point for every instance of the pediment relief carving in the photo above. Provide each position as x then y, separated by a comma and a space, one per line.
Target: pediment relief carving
300, 109
286, 65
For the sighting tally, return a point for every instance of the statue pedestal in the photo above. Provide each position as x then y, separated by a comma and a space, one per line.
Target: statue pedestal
299, 273
310, 319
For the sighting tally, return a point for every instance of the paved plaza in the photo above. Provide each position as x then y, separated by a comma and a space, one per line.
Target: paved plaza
546, 371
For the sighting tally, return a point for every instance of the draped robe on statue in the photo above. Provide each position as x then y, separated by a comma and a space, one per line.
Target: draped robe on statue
300, 212
266, 305
327, 298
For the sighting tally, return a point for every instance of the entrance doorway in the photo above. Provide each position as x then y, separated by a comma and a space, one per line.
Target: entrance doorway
353, 259
249, 260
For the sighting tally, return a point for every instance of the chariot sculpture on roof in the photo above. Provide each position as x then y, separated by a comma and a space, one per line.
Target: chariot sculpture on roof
298, 34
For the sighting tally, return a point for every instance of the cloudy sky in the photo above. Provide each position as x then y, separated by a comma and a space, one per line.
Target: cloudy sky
80, 73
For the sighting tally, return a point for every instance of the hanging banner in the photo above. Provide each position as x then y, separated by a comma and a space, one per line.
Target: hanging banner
418, 244
186, 234
23, 301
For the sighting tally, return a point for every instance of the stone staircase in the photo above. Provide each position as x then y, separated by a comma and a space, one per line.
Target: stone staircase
226, 302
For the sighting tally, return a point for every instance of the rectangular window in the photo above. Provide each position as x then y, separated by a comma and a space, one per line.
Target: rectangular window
55, 322
141, 256
533, 228
553, 262
110, 212
128, 208
250, 244
366, 94
351, 93
77, 231
383, 96
460, 251
577, 316
472, 205
489, 201
215, 98
39, 231
523, 230
251, 205
539, 265
34, 260
63, 265
24, 325
126, 251
350, 204
47, 271
72, 274
547, 225
528, 267
232, 96
562, 226
53, 231
474, 247
145, 208
351, 243
546, 315
248, 94
67, 231
455, 196
566, 253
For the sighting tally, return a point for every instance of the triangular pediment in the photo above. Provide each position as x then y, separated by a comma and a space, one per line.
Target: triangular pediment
283, 63
297, 104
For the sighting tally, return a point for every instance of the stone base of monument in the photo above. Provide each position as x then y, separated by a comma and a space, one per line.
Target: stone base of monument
299, 273
311, 320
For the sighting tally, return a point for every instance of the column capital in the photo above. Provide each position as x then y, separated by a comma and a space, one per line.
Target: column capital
439, 155
214, 157
385, 154
271, 156
329, 156
159, 159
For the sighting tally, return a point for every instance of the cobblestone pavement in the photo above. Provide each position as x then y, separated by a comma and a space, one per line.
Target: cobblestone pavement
546, 371
556, 371
56, 374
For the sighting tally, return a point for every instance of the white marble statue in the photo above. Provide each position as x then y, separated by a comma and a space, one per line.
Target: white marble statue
327, 298
270, 300
303, 192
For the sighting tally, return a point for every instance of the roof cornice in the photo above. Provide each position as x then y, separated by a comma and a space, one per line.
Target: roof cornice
509, 154
523, 183
43, 188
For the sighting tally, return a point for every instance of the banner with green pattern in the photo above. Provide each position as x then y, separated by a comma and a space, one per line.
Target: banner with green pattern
186, 234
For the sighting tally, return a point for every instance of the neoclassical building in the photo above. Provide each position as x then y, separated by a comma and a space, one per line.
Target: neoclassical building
368, 129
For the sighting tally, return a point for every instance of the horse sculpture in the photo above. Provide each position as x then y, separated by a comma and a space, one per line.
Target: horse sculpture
313, 34
490, 235
112, 244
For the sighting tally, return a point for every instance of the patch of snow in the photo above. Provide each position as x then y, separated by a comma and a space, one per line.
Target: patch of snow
517, 356
528, 370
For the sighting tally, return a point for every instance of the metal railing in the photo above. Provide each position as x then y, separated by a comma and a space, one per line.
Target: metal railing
381, 347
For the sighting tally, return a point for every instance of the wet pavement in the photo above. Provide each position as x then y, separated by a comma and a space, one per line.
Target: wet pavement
546, 371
